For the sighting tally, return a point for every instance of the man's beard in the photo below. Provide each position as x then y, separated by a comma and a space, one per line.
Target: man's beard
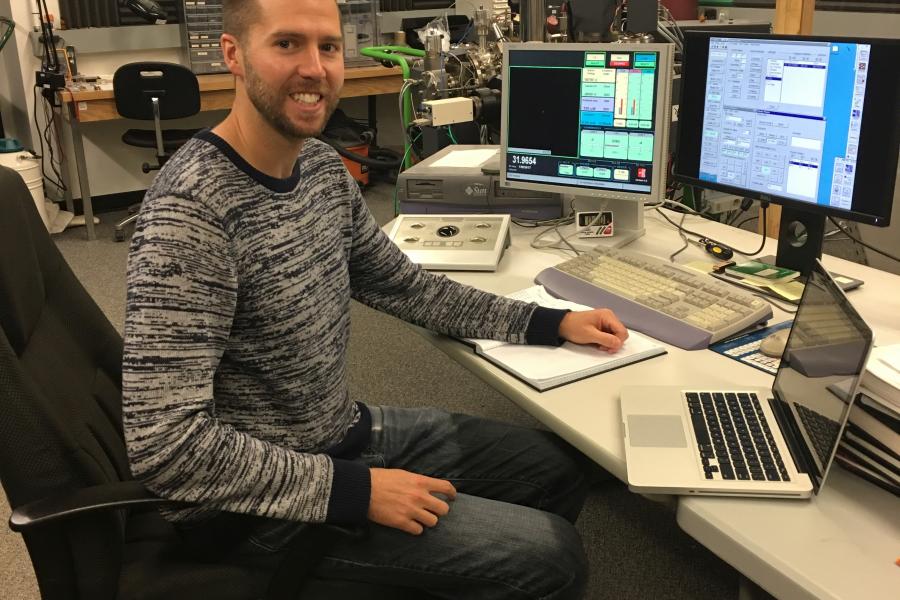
271, 107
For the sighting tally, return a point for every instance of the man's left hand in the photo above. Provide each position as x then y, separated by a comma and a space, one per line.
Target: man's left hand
599, 326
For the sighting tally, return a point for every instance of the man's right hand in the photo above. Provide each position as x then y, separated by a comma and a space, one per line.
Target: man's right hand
406, 501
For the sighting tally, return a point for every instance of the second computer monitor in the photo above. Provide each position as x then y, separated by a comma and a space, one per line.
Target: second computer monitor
590, 120
807, 122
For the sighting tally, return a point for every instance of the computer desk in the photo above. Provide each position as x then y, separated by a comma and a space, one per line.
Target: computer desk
216, 93
841, 544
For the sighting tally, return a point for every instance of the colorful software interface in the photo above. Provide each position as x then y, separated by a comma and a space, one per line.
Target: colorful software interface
783, 117
584, 119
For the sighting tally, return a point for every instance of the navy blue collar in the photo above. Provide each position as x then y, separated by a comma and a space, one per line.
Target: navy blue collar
280, 186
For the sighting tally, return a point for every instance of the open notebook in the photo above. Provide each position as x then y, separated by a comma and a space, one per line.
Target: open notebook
546, 367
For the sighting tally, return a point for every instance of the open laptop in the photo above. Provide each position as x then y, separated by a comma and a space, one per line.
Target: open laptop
755, 442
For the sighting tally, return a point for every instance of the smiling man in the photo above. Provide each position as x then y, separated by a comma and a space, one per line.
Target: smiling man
250, 244
288, 79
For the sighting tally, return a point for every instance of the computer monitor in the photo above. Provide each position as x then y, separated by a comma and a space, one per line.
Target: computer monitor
589, 120
807, 122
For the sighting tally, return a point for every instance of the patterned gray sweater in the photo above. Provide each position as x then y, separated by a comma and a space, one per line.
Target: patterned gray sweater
235, 392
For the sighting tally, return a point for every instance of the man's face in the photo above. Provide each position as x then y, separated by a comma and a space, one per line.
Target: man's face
294, 64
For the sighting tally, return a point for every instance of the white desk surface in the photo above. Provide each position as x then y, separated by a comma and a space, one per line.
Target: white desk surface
842, 544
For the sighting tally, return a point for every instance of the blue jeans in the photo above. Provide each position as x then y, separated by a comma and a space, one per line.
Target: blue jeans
509, 534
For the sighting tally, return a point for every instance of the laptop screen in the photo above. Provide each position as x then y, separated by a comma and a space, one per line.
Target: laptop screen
825, 354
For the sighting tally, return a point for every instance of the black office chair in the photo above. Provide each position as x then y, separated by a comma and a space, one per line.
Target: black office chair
155, 91
92, 531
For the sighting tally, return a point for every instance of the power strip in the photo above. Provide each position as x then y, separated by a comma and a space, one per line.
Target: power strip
722, 204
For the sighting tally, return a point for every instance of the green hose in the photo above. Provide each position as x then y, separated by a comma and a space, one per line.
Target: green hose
397, 55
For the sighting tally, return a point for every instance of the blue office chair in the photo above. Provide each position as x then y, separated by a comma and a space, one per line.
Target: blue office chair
155, 91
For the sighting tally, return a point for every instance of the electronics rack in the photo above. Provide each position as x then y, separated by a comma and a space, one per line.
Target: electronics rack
200, 33
201, 29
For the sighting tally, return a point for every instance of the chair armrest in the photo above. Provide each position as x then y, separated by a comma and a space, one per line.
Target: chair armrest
110, 496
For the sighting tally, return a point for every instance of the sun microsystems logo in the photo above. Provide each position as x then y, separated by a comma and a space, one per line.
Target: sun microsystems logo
476, 189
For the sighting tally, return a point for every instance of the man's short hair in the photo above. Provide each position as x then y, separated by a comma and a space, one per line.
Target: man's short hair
238, 15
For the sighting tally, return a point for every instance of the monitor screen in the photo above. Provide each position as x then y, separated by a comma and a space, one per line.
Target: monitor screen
587, 119
807, 122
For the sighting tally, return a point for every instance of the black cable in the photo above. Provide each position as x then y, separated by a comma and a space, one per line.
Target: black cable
49, 44
745, 221
764, 207
59, 148
746, 203
41, 141
412, 140
46, 132
680, 207
373, 163
862, 243
49, 118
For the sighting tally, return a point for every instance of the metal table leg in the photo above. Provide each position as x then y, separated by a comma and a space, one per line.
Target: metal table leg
81, 166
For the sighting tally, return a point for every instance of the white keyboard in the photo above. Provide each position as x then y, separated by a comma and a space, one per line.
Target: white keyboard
670, 303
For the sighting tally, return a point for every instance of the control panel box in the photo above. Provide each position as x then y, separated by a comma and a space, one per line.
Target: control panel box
447, 111
452, 242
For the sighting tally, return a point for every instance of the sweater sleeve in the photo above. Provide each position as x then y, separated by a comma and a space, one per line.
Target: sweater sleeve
181, 300
382, 277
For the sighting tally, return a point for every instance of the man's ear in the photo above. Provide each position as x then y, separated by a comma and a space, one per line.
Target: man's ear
231, 53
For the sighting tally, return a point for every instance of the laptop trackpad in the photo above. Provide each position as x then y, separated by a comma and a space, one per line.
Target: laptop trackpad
656, 431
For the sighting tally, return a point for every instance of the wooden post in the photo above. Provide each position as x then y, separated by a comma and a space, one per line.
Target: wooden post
793, 17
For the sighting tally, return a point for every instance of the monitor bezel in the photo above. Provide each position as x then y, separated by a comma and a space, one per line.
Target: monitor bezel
661, 131
691, 120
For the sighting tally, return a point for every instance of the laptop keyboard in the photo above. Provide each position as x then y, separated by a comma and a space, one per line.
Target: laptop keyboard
733, 437
822, 431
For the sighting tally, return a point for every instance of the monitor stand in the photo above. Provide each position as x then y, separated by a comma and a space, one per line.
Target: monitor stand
801, 234
628, 222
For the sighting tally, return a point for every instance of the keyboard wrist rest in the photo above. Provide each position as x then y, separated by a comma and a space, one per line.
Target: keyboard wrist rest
632, 314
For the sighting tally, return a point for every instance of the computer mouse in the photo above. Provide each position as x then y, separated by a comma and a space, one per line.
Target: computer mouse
773, 344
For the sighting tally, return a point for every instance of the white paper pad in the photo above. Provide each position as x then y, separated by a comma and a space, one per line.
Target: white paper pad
465, 158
